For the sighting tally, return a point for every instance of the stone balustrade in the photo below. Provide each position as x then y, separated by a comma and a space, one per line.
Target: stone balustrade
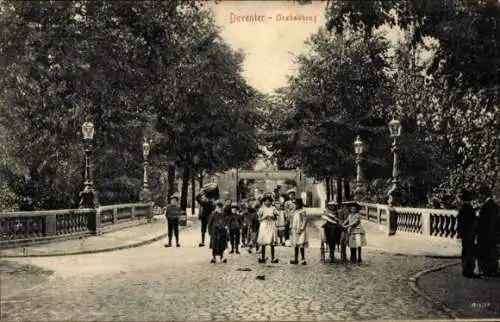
41, 226
434, 223
440, 223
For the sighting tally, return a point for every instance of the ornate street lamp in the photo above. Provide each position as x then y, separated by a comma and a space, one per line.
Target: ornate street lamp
360, 191
146, 194
88, 195
395, 192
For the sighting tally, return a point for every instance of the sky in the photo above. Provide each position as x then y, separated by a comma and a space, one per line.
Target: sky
269, 41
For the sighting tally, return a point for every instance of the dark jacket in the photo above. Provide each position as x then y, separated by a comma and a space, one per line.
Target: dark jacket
172, 211
235, 221
253, 217
466, 221
206, 208
217, 222
488, 227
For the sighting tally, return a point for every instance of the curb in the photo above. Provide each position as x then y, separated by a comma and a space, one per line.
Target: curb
95, 251
413, 283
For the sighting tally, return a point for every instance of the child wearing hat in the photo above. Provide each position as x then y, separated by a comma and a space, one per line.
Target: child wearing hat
172, 213
267, 230
356, 238
235, 224
218, 230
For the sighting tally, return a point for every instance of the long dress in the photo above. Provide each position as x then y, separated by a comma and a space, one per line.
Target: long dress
298, 230
267, 229
355, 233
217, 224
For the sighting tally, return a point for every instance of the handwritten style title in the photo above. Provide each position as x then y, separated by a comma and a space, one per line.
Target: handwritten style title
255, 18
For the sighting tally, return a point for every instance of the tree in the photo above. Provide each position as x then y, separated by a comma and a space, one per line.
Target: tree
64, 62
464, 114
340, 91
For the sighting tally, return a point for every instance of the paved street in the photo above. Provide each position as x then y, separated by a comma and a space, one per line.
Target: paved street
154, 283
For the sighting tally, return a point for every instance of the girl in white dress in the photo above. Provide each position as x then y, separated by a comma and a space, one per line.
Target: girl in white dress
298, 236
267, 230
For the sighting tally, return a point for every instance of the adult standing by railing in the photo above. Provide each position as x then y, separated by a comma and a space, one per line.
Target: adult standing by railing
488, 233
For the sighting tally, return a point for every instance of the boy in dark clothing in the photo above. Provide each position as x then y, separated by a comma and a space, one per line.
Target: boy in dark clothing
245, 228
235, 223
172, 214
206, 208
254, 227
217, 228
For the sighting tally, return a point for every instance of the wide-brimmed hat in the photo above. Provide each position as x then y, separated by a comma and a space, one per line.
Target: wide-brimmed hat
175, 196
234, 205
332, 205
291, 191
219, 202
354, 204
267, 196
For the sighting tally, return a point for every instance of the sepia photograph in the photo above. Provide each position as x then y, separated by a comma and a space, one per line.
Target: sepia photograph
301, 160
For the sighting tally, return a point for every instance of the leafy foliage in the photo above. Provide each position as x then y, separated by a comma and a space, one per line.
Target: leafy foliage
151, 68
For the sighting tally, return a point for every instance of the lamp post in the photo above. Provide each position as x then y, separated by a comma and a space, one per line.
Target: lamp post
88, 195
146, 194
360, 191
395, 191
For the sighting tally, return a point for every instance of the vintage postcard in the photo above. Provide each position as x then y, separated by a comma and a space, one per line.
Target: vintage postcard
249, 160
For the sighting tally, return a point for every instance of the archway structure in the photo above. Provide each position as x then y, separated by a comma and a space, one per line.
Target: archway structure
228, 181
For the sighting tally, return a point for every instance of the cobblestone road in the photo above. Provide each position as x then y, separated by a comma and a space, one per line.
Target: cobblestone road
154, 283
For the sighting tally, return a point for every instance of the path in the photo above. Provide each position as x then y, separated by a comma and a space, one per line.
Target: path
154, 283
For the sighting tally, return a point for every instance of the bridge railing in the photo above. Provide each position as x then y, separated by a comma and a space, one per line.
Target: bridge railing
440, 223
39, 226
433, 223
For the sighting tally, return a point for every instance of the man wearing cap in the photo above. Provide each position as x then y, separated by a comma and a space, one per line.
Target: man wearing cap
172, 214
488, 231
467, 233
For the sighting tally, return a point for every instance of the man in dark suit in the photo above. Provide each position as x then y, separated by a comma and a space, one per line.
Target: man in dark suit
487, 231
467, 233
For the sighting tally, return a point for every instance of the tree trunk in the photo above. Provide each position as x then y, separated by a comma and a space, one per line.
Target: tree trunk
193, 192
171, 181
328, 189
339, 190
184, 187
347, 190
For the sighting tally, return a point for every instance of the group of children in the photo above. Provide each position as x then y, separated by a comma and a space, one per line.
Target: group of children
342, 229
264, 224
257, 224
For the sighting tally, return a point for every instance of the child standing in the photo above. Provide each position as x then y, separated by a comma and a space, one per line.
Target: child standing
172, 214
253, 219
280, 223
235, 224
355, 233
218, 230
267, 230
245, 228
298, 232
